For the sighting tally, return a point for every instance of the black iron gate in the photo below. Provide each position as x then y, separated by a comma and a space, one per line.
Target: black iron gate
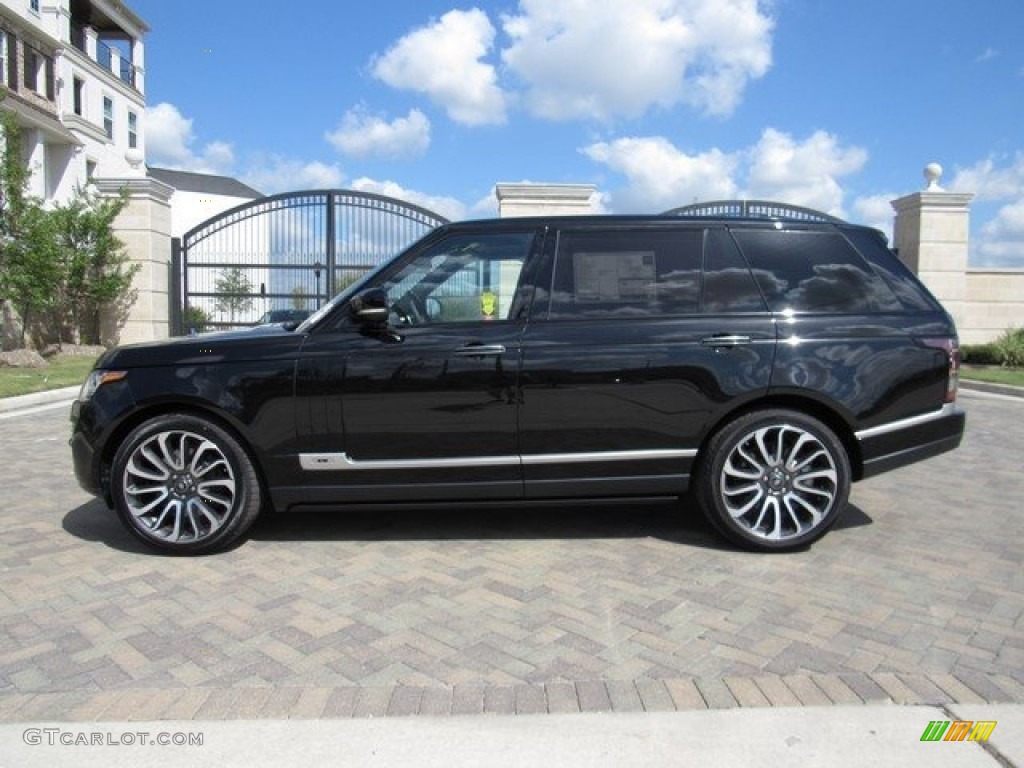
286, 252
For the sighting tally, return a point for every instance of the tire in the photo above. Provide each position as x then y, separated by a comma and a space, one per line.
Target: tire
773, 480
184, 486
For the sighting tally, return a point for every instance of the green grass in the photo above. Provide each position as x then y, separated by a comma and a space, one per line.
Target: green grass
63, 371
1012, 376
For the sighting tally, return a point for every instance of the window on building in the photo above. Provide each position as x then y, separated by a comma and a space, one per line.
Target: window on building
30, 75
133, 130
10, 74
79, 96
3, 57
50, 81
108, 116
33, 5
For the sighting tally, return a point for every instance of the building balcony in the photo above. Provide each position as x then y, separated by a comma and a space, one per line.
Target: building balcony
109, 57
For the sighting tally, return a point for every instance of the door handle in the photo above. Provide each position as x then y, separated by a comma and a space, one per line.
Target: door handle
480, 350
725, 340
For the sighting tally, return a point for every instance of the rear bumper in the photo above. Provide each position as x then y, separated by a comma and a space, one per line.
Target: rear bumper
894, 445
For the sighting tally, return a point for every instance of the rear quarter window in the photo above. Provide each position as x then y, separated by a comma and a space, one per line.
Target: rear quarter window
896, 274
809, 271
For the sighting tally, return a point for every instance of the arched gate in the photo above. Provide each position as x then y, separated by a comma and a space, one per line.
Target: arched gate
287, 251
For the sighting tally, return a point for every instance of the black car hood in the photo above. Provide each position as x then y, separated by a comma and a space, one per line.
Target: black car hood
264, 342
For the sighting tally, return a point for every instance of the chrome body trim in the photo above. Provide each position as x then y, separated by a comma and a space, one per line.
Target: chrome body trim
914, 421
334, 462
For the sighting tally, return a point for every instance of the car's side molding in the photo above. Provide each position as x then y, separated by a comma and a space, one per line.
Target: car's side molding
914, 421
334, 462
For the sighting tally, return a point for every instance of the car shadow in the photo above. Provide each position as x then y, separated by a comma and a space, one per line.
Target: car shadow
93, 521
680, 523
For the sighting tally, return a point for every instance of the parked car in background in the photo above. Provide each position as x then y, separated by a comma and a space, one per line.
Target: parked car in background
295, 316
762, 364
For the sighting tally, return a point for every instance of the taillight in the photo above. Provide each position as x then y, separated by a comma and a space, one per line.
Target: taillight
951, 347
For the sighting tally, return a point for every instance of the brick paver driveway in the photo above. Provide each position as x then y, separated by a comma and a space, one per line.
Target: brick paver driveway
917, 597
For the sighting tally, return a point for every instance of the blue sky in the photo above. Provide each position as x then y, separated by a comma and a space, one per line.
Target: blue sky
832, 104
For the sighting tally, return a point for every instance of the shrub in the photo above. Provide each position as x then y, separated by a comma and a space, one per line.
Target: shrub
980, 354
1010, 347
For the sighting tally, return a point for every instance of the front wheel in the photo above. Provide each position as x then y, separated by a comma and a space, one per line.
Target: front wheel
773, 480
184, 485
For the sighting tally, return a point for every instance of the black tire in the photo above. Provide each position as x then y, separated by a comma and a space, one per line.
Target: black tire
773, 480
184, 485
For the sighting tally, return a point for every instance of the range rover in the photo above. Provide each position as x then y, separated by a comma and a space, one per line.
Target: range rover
755, 366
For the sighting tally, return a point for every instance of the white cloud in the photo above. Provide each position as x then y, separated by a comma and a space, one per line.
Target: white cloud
803, 173
361, 134
988, 180
486, 207
876, 211
448, 207
601, 59
445, 61
661, 176
170, 140
1002, 238
999, 242
280, 174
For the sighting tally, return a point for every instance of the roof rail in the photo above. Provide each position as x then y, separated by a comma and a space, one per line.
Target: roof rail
751, 209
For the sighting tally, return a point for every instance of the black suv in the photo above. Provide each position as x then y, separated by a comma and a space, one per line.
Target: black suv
763, 364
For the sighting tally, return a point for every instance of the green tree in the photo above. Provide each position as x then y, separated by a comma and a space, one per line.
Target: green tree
235, 292
64, 264
96, 273
196, 319
27, 253
299, 298
31, 270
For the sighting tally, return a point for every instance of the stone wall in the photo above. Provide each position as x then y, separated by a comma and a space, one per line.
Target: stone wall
931, 233
993, 302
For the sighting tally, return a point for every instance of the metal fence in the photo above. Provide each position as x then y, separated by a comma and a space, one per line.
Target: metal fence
286, 252
757, 209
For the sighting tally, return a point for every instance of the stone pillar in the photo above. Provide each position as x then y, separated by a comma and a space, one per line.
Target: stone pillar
144, 226
931, 233
545, 199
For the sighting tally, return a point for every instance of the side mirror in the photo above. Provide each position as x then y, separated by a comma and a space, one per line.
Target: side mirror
370, 306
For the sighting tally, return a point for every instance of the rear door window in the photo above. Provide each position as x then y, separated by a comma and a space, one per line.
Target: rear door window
627, 273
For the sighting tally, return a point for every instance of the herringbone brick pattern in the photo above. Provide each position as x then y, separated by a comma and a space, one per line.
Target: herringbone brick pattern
918, 597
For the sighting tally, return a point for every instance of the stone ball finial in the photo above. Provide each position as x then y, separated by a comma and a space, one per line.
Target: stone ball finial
932, 173
134, 157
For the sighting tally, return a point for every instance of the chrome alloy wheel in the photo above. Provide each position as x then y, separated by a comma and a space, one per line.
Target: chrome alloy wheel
779, 482
179, 486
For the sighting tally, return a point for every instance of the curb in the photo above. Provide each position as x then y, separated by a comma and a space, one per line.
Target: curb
995, 389
37, 398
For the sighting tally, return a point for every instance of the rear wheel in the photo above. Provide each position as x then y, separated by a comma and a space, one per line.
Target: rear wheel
773, 480
184, 485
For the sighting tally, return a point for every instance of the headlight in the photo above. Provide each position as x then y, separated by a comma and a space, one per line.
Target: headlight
97, 379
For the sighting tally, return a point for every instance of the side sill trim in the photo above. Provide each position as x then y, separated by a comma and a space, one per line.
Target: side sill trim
334, 462
914, 421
